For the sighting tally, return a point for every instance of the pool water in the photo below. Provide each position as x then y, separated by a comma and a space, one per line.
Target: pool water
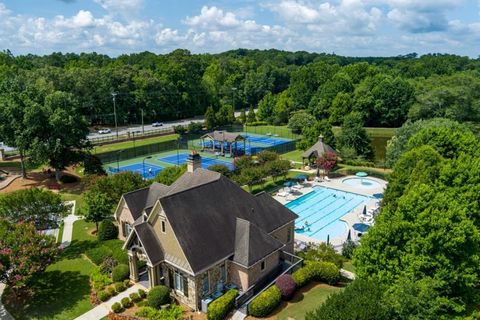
361, 183
322, 209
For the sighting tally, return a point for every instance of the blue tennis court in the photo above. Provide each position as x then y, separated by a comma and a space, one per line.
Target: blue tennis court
270, 141
206, 162
148, 172
320, 212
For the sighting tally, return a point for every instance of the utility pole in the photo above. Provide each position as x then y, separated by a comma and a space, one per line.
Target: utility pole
114, 95
143, 127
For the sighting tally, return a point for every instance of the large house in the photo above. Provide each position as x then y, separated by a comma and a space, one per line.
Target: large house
204, 234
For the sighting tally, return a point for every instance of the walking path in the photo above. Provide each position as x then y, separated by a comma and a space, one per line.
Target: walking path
68, 225
9, 179
102, 310
4, 314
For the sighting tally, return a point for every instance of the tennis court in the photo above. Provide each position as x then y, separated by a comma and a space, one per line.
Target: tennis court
149, 171
181, 158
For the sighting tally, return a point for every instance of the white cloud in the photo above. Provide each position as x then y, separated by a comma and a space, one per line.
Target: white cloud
120, 6
212, 17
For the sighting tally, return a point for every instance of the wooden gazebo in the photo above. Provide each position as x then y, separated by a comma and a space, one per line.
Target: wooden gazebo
227, 142
317, 150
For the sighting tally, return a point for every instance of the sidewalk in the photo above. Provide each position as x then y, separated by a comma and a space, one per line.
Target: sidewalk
68, 225
102, 310
4, 314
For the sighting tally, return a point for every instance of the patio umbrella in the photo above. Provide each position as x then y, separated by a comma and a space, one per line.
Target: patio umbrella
301, 177
364, 210
378, 195
361, 174
349, 237
288, 184
328, 238
361, 227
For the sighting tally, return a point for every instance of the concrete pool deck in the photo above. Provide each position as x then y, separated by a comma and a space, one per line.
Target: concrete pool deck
350, 218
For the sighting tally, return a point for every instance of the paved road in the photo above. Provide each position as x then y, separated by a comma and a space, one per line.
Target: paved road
149, 127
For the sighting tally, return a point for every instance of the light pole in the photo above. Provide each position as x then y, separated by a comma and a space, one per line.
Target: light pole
143, 163
143, 127
118, 156
114, 95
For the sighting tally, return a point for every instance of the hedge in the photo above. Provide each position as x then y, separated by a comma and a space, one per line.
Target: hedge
265, 302
135, 297
107, 230
98, 254
218, 309
99, 280
302, 276
286, 285
158, 296
104, 295
117, 307
120, 273
316, 270
119, 287
142, 293
126, 302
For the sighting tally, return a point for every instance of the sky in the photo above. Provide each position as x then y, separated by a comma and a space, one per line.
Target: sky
344, 27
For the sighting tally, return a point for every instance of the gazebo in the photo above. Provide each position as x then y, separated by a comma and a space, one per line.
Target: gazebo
318, 149
222, 141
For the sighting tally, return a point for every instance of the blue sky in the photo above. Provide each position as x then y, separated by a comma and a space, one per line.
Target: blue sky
346, 27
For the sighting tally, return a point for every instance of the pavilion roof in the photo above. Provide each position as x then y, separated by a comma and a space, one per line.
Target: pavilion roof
224, 136
319, 148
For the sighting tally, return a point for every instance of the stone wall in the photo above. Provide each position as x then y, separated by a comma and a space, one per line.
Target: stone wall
282, 235
255, 272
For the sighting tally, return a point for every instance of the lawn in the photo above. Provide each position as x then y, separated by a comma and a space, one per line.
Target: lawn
348, 265
270, 185
373, 132
79, 202
376, 172
129, 144
63, 292
295, 155
282, 131
305, 300
82, 231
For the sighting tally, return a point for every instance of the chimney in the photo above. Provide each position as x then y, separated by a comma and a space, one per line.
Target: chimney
320, 138
194, 161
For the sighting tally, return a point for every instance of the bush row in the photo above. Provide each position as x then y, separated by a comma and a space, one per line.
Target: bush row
158, 296
266, 302
318, 271
218, 309
128, 302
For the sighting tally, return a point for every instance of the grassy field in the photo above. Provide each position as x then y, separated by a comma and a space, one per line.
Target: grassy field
78, 197
281, 131
306, 301
82, 231
373, 132
129, 144
295, 155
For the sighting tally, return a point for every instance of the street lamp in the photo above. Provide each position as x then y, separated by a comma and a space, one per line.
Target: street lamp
114, 95
143, 162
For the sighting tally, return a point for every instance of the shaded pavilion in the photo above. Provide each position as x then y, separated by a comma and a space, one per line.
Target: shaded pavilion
317, 150
223, 142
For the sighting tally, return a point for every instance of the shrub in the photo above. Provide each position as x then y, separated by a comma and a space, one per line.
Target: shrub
174, 312
93, 165
107, 230
266, 302
135, 297
117, 307
126, 302
143, 303
286, 285
107, 265
348, 248
142, 293
219, 308
111, 291
324, 271
119, 286
103, 295
120, 272
98, 254
99, 280
158, 296
127, 283
302, 276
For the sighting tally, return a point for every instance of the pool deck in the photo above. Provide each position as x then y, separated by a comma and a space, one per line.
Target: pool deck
350, 218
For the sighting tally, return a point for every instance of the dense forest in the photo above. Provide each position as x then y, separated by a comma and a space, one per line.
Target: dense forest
386, 91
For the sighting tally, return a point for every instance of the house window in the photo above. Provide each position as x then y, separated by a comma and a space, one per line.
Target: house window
163, 227
205, 283
262, 265
126, 229
223, 273
181, 283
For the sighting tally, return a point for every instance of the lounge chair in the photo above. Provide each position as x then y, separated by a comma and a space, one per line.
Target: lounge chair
283, 193
317, 179
327, 179
298, 186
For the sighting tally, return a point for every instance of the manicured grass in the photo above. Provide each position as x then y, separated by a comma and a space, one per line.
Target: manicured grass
60, 233
348, 265
305, 302
372, 132
270, 185
129, 144
62, 292
81, 231
377, 172
282, 131
79, 201
295, 155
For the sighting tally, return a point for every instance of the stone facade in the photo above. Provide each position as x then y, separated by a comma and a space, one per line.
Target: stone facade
123, 216
285, 235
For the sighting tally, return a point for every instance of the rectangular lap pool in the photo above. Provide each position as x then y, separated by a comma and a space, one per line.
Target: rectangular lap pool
206, 162
320, 211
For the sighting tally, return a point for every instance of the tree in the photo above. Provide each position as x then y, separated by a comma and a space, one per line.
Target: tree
243, 162
250, 177
353, 135
266, 107
220, 168
210, 118
342, 105
327, 161
93, 165
251, 115
243, 116
266, 156
277, 168
224, 115
311, 134
169, 175
324, 252
65, 132
24, 253
300, 120
43, 208
98, 207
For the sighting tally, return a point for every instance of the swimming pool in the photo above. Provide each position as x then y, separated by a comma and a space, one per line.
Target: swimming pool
361, 183
322, 209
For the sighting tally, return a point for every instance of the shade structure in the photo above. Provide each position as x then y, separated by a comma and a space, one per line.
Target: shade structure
361, 227
361, 174
301, 177
288, 184
378, 195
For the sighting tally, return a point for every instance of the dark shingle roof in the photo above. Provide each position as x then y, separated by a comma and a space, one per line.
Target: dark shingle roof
318, 149
141, 199
252, 244
224, 136
151, 244
203, 214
